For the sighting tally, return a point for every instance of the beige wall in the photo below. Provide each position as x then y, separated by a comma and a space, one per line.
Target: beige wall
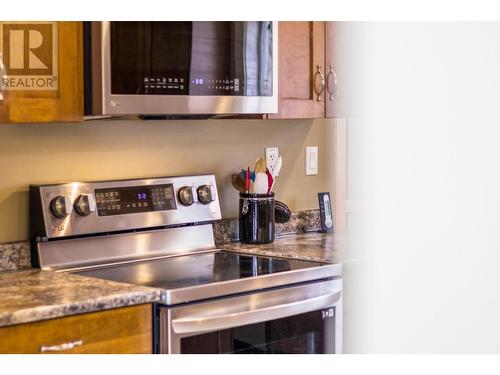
97, 150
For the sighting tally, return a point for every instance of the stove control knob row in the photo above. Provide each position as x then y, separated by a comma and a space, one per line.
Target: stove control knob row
203, 194
61, 206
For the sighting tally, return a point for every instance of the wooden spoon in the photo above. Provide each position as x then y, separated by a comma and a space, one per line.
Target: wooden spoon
238, 182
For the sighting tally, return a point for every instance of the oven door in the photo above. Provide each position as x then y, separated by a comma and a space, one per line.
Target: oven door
305, 319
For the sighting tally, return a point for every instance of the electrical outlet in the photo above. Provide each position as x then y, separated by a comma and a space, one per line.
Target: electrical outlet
272, 154
311, 160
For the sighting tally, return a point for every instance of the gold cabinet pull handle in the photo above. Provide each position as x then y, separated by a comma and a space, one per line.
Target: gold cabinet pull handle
331, 91
61, 347
319, 74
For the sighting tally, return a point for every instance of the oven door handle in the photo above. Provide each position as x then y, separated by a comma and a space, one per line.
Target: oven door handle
195, 325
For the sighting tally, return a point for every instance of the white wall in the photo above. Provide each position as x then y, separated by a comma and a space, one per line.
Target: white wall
427, 178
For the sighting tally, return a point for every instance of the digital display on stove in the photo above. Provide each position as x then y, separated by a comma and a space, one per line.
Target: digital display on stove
135, 199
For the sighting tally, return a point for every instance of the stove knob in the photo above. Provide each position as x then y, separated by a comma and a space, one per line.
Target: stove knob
186, 195
206, 194
85, 204
61, 206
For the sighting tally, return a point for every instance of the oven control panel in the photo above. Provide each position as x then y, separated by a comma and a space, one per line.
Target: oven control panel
95, 207
133, 199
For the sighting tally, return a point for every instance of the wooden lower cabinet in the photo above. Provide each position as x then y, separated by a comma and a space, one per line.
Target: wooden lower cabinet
126, 330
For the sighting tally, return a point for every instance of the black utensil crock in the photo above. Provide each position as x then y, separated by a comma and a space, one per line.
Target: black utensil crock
257, 221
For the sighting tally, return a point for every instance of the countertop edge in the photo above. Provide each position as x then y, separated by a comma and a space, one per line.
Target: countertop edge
273, 254
41, 313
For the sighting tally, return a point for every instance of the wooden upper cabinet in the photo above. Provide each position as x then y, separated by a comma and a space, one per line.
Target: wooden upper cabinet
301, 56
335, 66
41, 71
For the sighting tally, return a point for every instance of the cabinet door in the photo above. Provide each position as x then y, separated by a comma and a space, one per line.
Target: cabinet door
301, 65
41, 71
336, 72
126, 330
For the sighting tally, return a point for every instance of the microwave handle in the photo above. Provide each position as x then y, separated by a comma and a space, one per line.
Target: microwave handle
196, 325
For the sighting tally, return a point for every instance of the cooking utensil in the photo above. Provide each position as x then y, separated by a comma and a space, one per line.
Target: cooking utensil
260, 184
276, 171
238, 182
269, 180
247, 180
244, 173
277, 167
260, 166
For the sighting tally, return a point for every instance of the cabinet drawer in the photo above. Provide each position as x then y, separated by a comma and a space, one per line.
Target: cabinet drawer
123, 330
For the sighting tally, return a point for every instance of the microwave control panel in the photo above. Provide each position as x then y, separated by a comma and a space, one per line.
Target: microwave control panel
151, 84
195, 86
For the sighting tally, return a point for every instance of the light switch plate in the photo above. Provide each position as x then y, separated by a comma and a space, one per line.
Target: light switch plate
311, 160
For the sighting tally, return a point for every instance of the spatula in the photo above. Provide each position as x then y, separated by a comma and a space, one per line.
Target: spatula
276, 171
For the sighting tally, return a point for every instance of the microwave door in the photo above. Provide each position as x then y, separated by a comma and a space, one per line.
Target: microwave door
217, 63
231, 59
265, 59
258, 58
251, 60
170, 58
150, 58
128, 65
238, 56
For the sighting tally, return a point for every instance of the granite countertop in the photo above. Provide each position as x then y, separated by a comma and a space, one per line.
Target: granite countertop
320, 247
31, 295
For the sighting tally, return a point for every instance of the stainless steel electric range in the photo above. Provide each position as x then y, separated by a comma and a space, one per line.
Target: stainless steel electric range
158, 232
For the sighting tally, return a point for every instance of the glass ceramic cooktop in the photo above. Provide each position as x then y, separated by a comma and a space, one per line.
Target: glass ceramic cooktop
192, 270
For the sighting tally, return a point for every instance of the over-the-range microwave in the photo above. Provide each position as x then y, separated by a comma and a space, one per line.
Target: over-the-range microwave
181, 68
